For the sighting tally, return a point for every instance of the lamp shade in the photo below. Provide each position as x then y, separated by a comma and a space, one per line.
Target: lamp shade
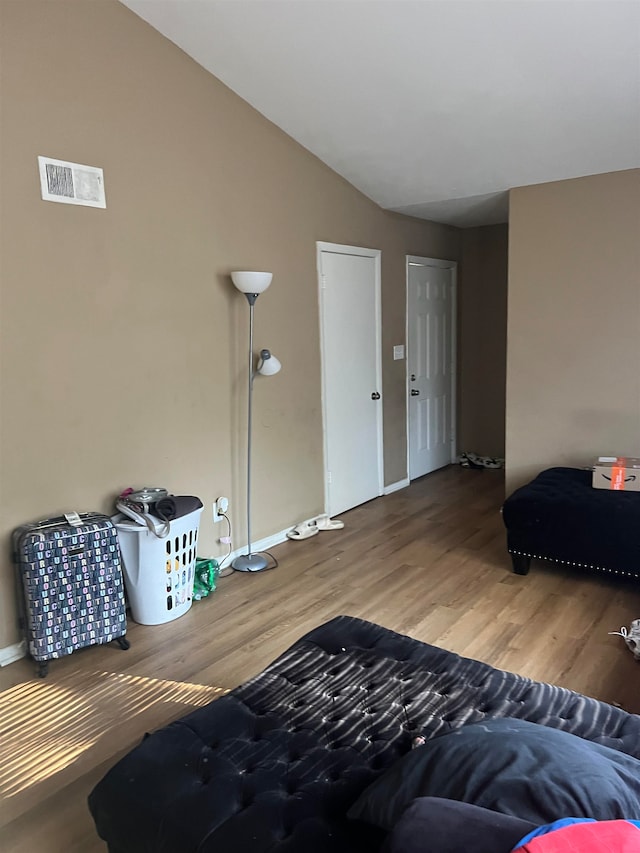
251, 282
268, 364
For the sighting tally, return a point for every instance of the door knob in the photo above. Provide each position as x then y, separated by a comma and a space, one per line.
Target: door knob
375, 395
415, 392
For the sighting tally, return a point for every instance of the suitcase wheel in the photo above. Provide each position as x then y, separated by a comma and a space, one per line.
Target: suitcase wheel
43, 668
123, 643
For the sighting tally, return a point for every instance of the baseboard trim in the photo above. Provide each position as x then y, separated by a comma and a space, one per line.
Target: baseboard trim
256, 547
395, 487
10, 654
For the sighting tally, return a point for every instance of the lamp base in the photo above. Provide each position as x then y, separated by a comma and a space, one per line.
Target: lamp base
249, 563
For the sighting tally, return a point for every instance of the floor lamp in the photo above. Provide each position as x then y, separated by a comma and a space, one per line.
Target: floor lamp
252, 284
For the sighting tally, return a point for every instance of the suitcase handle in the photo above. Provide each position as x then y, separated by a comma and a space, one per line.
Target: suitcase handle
62, 519
47, 523
83, 517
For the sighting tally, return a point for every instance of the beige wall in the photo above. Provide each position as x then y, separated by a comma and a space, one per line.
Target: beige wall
123, 340
573, 374
482, 310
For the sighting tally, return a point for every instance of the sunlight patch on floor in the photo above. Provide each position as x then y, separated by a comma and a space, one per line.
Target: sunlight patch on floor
45, 726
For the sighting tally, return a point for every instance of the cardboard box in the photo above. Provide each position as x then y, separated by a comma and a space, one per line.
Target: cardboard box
617, 473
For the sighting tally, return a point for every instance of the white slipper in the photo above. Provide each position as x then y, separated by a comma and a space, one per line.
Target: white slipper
303, 531
323, 522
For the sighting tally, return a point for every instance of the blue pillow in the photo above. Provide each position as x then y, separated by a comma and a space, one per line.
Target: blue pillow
530, 771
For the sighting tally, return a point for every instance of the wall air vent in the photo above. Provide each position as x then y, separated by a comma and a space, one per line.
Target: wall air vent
71, 183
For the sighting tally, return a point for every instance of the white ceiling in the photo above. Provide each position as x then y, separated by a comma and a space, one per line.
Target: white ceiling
433, 108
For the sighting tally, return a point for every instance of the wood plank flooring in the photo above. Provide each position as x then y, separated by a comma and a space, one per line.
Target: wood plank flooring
429, 561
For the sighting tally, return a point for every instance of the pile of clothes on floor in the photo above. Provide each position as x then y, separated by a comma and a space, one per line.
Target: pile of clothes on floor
472, 460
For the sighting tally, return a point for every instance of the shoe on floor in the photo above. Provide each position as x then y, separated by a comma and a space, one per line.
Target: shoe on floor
323, 522
631, 637
303, 531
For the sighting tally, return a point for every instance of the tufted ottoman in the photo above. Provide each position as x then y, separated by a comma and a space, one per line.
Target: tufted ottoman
274, 766
559, 516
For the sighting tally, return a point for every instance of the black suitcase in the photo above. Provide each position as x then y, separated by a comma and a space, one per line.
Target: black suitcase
71, 586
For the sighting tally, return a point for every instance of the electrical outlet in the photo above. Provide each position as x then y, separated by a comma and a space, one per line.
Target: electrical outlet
221, 505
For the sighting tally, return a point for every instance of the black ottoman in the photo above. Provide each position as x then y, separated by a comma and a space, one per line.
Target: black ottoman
559, 516
275, 765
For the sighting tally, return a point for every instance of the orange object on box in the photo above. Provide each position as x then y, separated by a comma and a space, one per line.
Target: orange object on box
617, 473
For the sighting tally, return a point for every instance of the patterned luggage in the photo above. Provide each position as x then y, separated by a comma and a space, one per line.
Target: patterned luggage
70, 581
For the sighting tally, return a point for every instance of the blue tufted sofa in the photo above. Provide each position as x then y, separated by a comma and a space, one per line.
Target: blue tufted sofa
559, 516
276, 764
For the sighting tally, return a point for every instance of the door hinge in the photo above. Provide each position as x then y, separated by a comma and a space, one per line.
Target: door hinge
328, 476
323, 281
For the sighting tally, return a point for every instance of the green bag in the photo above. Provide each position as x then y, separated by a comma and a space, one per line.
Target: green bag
204, 581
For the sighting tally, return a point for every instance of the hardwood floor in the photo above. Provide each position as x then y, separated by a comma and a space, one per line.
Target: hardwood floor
429, 561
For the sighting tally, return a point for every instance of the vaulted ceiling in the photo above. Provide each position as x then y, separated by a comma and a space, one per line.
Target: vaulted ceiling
434, 108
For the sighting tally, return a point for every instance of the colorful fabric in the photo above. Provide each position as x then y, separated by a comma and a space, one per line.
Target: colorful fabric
583, 835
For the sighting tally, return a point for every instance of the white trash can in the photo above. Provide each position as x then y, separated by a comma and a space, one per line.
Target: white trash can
159, 571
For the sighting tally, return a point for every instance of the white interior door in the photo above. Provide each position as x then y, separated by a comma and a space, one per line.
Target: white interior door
430, 364
349, 280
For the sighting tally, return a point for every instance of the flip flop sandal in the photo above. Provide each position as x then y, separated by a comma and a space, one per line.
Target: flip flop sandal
326, 523
303, 531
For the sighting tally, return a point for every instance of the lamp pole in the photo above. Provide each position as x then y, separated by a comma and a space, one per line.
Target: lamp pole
251, 298
250, 562
252, 284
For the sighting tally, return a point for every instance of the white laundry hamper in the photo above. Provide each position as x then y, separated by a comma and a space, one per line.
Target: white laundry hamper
159, 571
